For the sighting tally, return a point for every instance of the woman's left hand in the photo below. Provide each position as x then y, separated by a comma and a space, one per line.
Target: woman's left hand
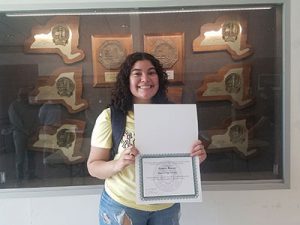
198, 150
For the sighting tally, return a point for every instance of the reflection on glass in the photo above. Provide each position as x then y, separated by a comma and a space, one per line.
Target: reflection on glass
19, 121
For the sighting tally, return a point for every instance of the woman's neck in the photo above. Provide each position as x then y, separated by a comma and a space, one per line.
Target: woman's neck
142, 101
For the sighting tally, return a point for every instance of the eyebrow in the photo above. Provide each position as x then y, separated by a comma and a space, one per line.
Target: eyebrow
151, 68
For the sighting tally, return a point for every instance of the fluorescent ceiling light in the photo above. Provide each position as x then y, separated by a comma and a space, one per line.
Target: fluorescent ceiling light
130, 12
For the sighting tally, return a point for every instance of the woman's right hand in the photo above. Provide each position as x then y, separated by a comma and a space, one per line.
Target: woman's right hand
126, 158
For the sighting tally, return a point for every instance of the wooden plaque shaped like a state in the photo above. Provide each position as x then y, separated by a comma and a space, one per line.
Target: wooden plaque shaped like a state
169, 50
109, 52
64, 141
64, 87
60, 35
231, 83
234, 135
226, 33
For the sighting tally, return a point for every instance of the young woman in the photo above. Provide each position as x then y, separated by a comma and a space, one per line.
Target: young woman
141, 80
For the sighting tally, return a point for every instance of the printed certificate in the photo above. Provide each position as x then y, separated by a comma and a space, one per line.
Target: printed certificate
168, 178
165, 172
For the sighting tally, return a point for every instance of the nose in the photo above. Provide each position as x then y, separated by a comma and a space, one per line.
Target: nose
144, 77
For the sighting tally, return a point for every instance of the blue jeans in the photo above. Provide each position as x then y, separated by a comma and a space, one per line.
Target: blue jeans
114, 213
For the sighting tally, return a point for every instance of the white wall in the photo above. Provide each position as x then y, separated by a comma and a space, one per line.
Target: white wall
267, 207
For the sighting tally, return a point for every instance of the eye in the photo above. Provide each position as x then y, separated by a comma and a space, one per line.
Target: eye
136, 74
152, 72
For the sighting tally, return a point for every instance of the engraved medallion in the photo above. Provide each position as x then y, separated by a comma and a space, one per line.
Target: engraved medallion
230, 31
60, 35
65, 138
233, 83
65, 87
237, 134
166, 52
112, 54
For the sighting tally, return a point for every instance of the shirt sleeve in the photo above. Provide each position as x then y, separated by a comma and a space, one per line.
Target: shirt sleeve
102, 132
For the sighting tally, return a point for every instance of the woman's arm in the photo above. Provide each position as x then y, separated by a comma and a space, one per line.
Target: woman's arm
101, 167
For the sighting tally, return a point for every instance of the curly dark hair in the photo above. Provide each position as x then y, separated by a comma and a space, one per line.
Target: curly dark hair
122, 97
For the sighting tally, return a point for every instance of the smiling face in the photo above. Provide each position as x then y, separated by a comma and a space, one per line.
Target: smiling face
143, 81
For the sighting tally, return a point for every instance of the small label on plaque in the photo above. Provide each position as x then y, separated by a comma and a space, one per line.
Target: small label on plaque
110, 76
170, 74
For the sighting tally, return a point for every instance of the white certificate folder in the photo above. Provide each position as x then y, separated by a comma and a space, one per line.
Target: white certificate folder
165, 172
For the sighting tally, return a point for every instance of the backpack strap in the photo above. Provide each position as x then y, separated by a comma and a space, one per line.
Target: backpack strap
118, 124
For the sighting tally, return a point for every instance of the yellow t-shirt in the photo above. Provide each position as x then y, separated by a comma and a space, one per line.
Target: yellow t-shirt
121, 187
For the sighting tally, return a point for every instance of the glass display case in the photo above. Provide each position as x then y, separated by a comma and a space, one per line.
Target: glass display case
58, 69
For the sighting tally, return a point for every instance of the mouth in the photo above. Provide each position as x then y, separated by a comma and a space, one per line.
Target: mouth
145, 86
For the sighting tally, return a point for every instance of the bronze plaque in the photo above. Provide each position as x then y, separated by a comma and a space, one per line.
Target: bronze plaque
64, 87
60, 36
227, 33
109, 52
232, 83
169, 50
